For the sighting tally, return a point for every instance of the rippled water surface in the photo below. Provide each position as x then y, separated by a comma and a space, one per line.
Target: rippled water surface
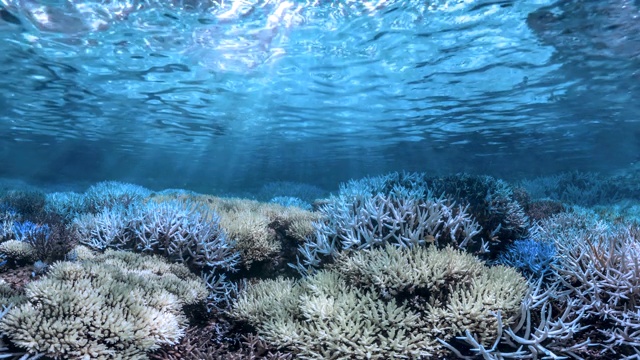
213, 93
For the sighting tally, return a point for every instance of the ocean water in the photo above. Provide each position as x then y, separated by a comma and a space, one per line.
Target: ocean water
226, 95
261, 142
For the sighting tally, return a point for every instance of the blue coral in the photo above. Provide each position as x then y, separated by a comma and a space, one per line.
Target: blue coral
533, 258
108, 194
184, 232
28, 232
68, 205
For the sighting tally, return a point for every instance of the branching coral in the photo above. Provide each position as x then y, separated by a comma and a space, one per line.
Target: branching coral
46, 243
383, 303
109, 228
67, 205
490, 200
404, 217
8, 217
322, 318
532, 257
116, 306
603, 275
184, 232
108, 194
258, 230
453, 290
588, 303
179, 230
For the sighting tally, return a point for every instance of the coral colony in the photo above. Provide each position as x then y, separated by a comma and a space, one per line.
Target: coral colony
399, 266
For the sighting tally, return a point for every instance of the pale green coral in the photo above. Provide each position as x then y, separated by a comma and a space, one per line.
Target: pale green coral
80, 253
384, 303
401, 269
256, 228
324, 318
17, 250
454, 289
118, 305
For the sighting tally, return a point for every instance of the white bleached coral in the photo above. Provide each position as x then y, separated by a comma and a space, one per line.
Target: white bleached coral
118, 305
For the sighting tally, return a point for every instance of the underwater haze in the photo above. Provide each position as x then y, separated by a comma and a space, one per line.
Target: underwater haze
230, 94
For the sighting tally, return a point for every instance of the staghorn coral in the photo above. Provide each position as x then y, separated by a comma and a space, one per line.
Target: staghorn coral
383, 303
107, 194
178, 229
8, 217
533, 258
118, 305
492, 203
260, 231
184, 232
67, 205
109, 228
404, 216
587, 307
602, 275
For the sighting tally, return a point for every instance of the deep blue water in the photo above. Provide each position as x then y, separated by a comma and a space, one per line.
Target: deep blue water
226, 95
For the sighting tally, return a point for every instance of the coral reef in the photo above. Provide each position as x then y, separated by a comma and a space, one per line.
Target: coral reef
580, 188
383, 303
542, 209
360, 218
492, 203
217, 341
261, 232
288, 189
388, 265
108, 194
28, 203
534, 258
179, 230
118, 305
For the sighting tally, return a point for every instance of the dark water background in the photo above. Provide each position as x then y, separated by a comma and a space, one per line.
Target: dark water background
217, 97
